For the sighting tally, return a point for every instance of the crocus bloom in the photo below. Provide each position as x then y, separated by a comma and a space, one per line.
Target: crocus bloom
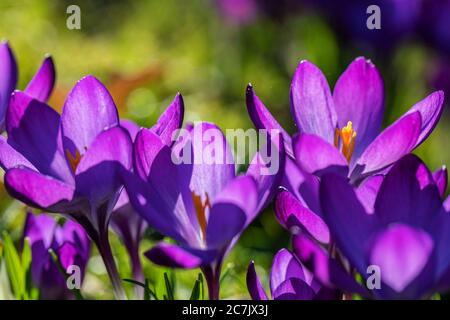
69, 242
406, 237
201, 204
340, 132
289, 280
70, 163
40, 87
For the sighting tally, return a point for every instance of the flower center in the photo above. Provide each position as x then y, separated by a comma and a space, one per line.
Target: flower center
73, 160
348, 137
200, 210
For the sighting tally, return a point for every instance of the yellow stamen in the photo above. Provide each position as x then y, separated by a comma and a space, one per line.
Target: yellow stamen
348, 137
200, 210
73, 161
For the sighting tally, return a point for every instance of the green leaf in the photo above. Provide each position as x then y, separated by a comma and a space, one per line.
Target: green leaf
200, 277
147, 291
227, 272
14, 267
26, 266
169, 288
197, 291
195, 294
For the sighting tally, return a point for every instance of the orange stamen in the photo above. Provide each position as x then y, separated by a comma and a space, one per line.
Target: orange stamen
348, 137
200, 210
73, 161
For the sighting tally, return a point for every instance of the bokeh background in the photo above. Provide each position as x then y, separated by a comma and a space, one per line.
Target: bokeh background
147, 51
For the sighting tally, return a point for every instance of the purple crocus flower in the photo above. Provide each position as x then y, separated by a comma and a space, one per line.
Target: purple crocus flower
70, 163
289, 280
340, 132
40, 87
69, 242
406, 236
200, 203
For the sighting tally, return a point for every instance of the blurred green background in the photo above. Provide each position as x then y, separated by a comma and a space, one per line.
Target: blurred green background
147, 51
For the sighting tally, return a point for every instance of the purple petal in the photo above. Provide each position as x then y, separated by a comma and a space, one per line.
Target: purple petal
348, 222
158, 214
254, 285
430, 110
10, 157
263, 119
88, 110
38, 190
170, 121
147, 146
232, 210
8, 79
393, 143
440, 177
359, 98
131, 127
268, 172
285, 266
242, 191
97, 175
39, 228
401, 252
326, 270
316, 156
303, 185
169, 205
367, 192
34, 131
173, 256
74, 233
293, 289
312, 105
403, 198
213, 160
447, 204
41, 86
293, 215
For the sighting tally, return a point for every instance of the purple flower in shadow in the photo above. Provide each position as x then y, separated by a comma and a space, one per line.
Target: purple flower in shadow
289, 280
405, 237
40, 87
69, 242
200, 203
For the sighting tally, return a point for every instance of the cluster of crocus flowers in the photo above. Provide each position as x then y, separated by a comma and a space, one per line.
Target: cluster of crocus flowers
351, 194
355, 199
69, 242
